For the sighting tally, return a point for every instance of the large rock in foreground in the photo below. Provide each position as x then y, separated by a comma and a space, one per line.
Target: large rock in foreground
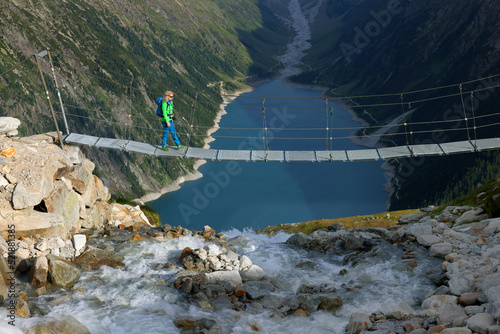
62, 273
66, 325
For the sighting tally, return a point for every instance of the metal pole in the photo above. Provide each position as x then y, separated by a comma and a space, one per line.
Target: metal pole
58, 92
48, 100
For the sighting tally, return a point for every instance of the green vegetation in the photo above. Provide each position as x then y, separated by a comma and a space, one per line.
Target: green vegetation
486, 196
152, 215
384, 219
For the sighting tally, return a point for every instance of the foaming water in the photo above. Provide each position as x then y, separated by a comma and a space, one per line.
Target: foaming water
137, 298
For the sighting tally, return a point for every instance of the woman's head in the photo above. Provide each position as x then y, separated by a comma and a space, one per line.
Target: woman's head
169, 94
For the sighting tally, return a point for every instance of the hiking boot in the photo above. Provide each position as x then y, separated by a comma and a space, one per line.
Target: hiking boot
164, 148
179, 147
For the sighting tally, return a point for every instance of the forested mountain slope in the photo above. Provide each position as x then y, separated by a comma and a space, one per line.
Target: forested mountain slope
112, 59
373, 47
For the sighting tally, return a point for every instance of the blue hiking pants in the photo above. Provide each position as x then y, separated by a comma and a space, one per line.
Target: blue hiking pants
166, 130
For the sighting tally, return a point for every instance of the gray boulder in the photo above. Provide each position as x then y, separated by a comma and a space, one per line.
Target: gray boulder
451, 316
411, 218
299, 240
480, 322
418, 229
253, 273
456, 330
490, 281
470, 216
39, 271
441, 249
436, 301
62, 273
233, 277
358, 322
64, 325
428, 240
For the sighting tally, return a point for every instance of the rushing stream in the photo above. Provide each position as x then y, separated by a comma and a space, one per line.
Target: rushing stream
135, 299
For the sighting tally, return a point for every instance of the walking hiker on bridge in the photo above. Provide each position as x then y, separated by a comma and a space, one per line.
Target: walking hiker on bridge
167, 120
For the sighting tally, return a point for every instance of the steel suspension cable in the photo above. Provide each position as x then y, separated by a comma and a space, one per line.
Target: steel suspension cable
404, 120
473, 118
326, 114
265, 138
465, 113
331, 133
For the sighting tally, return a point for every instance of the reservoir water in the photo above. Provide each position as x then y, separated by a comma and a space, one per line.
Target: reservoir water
258, 194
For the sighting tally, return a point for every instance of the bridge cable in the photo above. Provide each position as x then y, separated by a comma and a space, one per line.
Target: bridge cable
473, 118
465, 113
193, 107
326, 114
331, 133
404, 123
265, 139
411, 124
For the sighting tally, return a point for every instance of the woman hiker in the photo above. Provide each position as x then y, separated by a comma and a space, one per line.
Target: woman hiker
167, 109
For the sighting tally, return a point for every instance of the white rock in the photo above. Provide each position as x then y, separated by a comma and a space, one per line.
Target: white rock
3, 181
245, 262
216, 277
79, 242
253, 273
9, 125
215, 264
213, 250
202, 254
437, 301
42, 245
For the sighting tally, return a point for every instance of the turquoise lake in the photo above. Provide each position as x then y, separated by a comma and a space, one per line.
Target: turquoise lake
254, 195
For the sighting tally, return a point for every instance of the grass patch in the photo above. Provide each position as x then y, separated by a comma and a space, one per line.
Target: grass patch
151, 215
384, 219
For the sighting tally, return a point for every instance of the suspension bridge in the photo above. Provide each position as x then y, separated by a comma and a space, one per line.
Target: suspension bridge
478, 145
402, 137
478, 132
